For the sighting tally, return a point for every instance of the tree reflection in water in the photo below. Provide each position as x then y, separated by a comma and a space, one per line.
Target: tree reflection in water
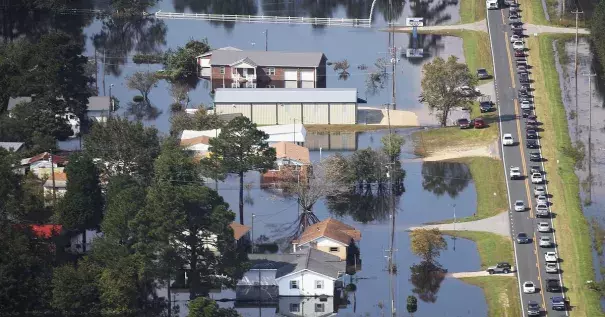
426, 278
445, 177
240, 7
364, 204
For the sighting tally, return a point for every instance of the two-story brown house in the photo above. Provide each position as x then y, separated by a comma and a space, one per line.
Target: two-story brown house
231, 67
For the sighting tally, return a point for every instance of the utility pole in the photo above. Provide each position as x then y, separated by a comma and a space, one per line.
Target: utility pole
104, 73
111, 98
52, 172
96, 72
266, 39
590, 75
454, 237
393, 53
576, 70
252, 233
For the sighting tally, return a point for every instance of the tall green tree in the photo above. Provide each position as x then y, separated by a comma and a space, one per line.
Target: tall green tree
200, 120
441, 86
75, 289
206, 307
82, 206
240, 147
427, 244
25, 272
188, 224
125, 198
11, 192
181, 63
391, 145
123, 147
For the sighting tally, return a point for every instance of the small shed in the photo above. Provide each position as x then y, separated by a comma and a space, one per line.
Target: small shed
288, 105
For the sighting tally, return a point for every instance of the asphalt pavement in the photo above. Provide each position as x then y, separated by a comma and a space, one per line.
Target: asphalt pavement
529, 257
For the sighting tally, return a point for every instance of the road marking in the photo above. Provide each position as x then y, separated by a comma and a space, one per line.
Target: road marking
523, 163
539, 275
510, 58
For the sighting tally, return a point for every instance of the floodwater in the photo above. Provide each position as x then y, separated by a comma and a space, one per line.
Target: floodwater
594, 194
360, 47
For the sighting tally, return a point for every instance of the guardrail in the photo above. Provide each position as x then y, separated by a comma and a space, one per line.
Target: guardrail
265, 19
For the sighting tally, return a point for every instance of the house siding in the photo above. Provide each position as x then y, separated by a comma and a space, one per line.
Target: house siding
306, 284
305, 306
324, 244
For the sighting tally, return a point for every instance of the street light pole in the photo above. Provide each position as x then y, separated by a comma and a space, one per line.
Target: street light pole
576, 71
111, 98
252, 233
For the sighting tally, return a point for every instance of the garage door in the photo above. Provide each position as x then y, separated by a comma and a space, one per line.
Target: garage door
290, 74
307, 75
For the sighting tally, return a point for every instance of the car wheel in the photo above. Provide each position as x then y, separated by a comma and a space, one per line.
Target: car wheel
491, 272
505, 271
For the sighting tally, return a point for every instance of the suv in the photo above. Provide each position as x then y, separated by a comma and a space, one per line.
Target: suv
515, 172
531, 134
485, 106
502, 267
533, 308
524, 78
557, 303
482, 73
522, 238
553, 285
464, 123
535, 157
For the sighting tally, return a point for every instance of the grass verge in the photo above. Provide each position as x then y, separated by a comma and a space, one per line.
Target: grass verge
532, 12
493, 248
571, 225
319, 128
502, 295
472, 11
432, 141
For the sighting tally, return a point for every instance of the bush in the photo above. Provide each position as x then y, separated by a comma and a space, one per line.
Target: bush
158, 58
138, 99
266, 248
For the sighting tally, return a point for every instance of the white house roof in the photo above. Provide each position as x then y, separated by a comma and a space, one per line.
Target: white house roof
229, 55
277, 133
11, 146
285, 95
99, 103
14, 101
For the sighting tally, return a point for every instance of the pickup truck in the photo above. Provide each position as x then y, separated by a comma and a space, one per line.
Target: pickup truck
502, 267
553, 285
515, 172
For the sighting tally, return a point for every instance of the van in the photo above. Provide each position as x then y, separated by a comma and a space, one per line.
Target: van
491, 4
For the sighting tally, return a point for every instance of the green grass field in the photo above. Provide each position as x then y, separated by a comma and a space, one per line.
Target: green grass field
501, 294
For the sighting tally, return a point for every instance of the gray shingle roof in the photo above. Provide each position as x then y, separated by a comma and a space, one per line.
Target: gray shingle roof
11, 146
285, 95
223, 57
98, 103
313, 260
14, 101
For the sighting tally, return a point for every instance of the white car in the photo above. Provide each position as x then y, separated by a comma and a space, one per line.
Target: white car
539, 190
507, 139
545, 242
536, 178
551, 256
515, 38
541, 200
529, 287
519, 205
525, 104
543, 227
552, 268
515, 172
518, 45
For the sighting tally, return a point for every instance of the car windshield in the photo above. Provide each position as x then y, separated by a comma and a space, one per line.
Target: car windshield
519, 203
532, 305
522, 235
545, 239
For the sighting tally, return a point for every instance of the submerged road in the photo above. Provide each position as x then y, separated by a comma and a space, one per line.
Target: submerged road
529, 257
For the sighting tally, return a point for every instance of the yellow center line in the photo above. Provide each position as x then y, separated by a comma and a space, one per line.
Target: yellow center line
523, 163
510, 63
542, 290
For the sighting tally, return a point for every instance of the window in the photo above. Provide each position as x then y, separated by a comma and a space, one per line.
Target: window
320, 308
222, 70
271, 71
294, 284
294, 307
333, 249
319, 284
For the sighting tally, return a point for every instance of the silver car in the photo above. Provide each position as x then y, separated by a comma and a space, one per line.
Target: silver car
552, 268
545, 242
543, 227
539, 190
542, 200
519, 205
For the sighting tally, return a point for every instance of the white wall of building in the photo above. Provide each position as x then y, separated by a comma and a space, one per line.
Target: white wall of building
306, 306
77, 240
306, 284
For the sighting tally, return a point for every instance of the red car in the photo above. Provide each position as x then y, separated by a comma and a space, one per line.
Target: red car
479, 123
519, 53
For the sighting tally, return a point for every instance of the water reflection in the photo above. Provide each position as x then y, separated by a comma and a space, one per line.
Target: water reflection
241, 7
445, 177
120, 36
426, 278
363, 205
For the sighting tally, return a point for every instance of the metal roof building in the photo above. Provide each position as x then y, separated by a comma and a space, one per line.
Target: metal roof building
230, 55
285, 105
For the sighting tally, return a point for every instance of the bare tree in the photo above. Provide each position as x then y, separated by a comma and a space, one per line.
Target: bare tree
179, 93
143, 82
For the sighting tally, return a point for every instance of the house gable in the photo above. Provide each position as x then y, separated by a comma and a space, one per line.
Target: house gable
326, 242
244, 63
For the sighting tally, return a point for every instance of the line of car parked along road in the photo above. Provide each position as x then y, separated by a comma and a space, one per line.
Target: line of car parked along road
543, 228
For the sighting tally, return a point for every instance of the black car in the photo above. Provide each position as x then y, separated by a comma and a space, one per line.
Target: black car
531, 134
523, 93
526, 113
485, 106
482, 73
524, 78
513, 15
533, 308
535, 157
532, 144
525, 86
553, 285
522, 238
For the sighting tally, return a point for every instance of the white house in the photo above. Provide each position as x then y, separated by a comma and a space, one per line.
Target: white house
99, 108
41, 166
59, 181
330, 235
291, 306
294, 133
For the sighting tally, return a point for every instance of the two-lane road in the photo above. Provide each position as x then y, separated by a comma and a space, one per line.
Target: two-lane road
529, 257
